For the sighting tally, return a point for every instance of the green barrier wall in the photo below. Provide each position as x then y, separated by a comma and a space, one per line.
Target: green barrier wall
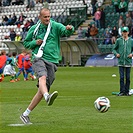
72, 51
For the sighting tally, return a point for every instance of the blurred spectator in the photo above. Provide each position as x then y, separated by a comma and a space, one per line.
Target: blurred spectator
109, 29
93, 32
107, 37
123, 6
13, 2
120, 29
116, 3
7, 36
128, 22
98, 3
18, 37
84, 2
114, 34
26, 26
20, 19
19, 2
9, 20
80, 32
30, 4
31, 23
23, 35
93, 2
13, 19
12, 34
130, 8
120, 21
39, 1
6, 2
45, 4
87, 34
97, 17
102, 19
5, 20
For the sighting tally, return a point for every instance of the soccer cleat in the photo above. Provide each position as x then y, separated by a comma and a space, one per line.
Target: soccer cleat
17, 79
121, 94
12, 81
2, 76
26, 79
127, 94
25, 119
51, 98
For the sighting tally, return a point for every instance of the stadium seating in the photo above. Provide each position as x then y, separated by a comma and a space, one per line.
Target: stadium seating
56, 10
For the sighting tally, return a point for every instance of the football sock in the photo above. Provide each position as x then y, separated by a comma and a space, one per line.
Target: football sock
12, 77
27, 112
45, 95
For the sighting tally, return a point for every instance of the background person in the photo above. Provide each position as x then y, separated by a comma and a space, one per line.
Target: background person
3, 59
28, 67
124, 60
9, 69
20, 65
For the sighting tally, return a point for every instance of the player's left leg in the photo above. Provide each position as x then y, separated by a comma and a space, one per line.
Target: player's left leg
127, 84
36, 99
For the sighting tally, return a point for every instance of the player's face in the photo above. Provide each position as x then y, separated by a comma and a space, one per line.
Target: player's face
45, 17
125, 34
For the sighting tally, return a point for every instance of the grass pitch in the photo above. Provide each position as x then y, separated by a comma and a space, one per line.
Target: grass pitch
73, 111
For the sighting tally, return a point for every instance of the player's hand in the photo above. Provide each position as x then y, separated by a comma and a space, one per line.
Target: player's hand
69, 27
130, 55
118, 55
39, 42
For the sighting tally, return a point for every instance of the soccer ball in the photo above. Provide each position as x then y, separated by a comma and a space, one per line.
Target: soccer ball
102, 104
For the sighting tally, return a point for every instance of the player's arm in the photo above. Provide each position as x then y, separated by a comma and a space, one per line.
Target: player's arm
131, 55
115, 49
29, 42
65, 30
17, 61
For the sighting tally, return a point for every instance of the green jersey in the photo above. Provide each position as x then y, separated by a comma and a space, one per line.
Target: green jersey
51, 50
124, 48
115, 2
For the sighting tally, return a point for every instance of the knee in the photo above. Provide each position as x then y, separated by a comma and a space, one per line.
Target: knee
42, 78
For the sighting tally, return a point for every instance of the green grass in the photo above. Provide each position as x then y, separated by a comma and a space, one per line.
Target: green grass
73, 111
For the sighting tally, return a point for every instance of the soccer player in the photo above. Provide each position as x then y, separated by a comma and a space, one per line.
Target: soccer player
123, 50
28, 67
9, 69
44, 41
3, 59
19, 63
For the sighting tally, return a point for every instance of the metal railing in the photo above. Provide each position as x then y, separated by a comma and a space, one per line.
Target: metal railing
73, 16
